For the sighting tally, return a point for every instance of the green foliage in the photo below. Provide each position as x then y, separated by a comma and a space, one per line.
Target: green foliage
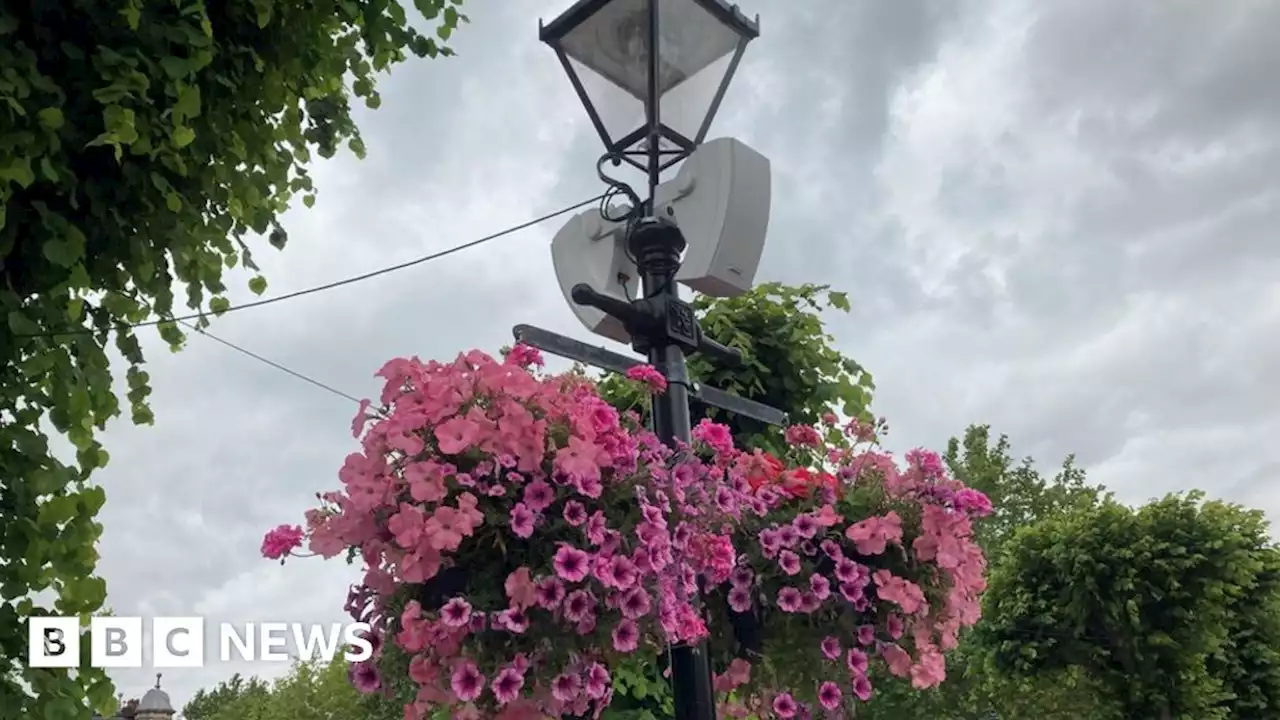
1021, 497
1019, 494
641, 693
227, 696
310, 691
1173, 606
140, 144
791, 362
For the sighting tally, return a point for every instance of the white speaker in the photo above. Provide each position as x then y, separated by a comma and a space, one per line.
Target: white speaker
591, 250
720, 199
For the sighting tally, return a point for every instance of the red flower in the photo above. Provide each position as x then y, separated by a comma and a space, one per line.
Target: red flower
801, 482
764, 469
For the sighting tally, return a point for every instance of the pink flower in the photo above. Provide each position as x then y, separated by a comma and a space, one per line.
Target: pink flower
445, 528
626, 636
467, 682
715, 435
740, 599
873, 534
507, 685
566, 687
523, 521
866, 634
364, 677
789, 599
520, 588
898, 660
900, 591
456, 434
894, 625
650, 376
805, 525
538, 495
281, 541
512, 620
847, 571
831, 647
578, 605
422, 670
862, 688
857, 661
785, 706
550, 592
598, 681
973, 502
930, 671
928, 462
456, 613
789, 562
574, 513
826, 517
361, 418
802, 436
581, 458
525, 356
635, 604
829, 695
820, 586
571, 564
426, 482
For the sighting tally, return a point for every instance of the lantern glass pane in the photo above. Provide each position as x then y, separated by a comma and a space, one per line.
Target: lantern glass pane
614, 42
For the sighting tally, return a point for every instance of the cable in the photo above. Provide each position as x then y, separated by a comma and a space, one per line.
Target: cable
272, 363
336, 283
616, 188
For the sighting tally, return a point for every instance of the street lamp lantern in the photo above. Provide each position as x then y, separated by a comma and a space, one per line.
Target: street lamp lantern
672, 60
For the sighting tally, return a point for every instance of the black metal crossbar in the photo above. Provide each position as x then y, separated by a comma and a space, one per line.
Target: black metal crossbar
599, 357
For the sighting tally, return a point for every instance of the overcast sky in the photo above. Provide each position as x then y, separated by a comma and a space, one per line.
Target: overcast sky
1058, 218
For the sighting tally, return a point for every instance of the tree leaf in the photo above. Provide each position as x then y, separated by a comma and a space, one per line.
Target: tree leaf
51, 118
183, 136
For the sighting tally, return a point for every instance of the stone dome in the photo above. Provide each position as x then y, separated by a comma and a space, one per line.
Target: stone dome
156, 701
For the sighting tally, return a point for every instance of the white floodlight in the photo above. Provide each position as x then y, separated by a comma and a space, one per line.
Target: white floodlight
720, 200
590, 249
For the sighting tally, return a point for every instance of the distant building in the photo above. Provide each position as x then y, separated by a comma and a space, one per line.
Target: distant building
154, 705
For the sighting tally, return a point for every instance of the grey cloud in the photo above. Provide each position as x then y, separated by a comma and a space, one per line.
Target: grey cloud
1197, 68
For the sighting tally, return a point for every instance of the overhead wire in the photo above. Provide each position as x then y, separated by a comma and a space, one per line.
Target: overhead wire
271, 363
330, 285
183, 320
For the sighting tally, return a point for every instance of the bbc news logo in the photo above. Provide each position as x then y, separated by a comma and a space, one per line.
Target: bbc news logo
179, 642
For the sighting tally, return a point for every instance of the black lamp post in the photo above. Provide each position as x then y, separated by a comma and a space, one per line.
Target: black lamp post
650, 49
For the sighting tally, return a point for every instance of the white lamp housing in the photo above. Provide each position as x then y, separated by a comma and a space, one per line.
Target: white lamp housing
720, 200
591, 250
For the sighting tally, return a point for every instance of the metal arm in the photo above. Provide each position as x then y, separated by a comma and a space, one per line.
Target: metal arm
642, 316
